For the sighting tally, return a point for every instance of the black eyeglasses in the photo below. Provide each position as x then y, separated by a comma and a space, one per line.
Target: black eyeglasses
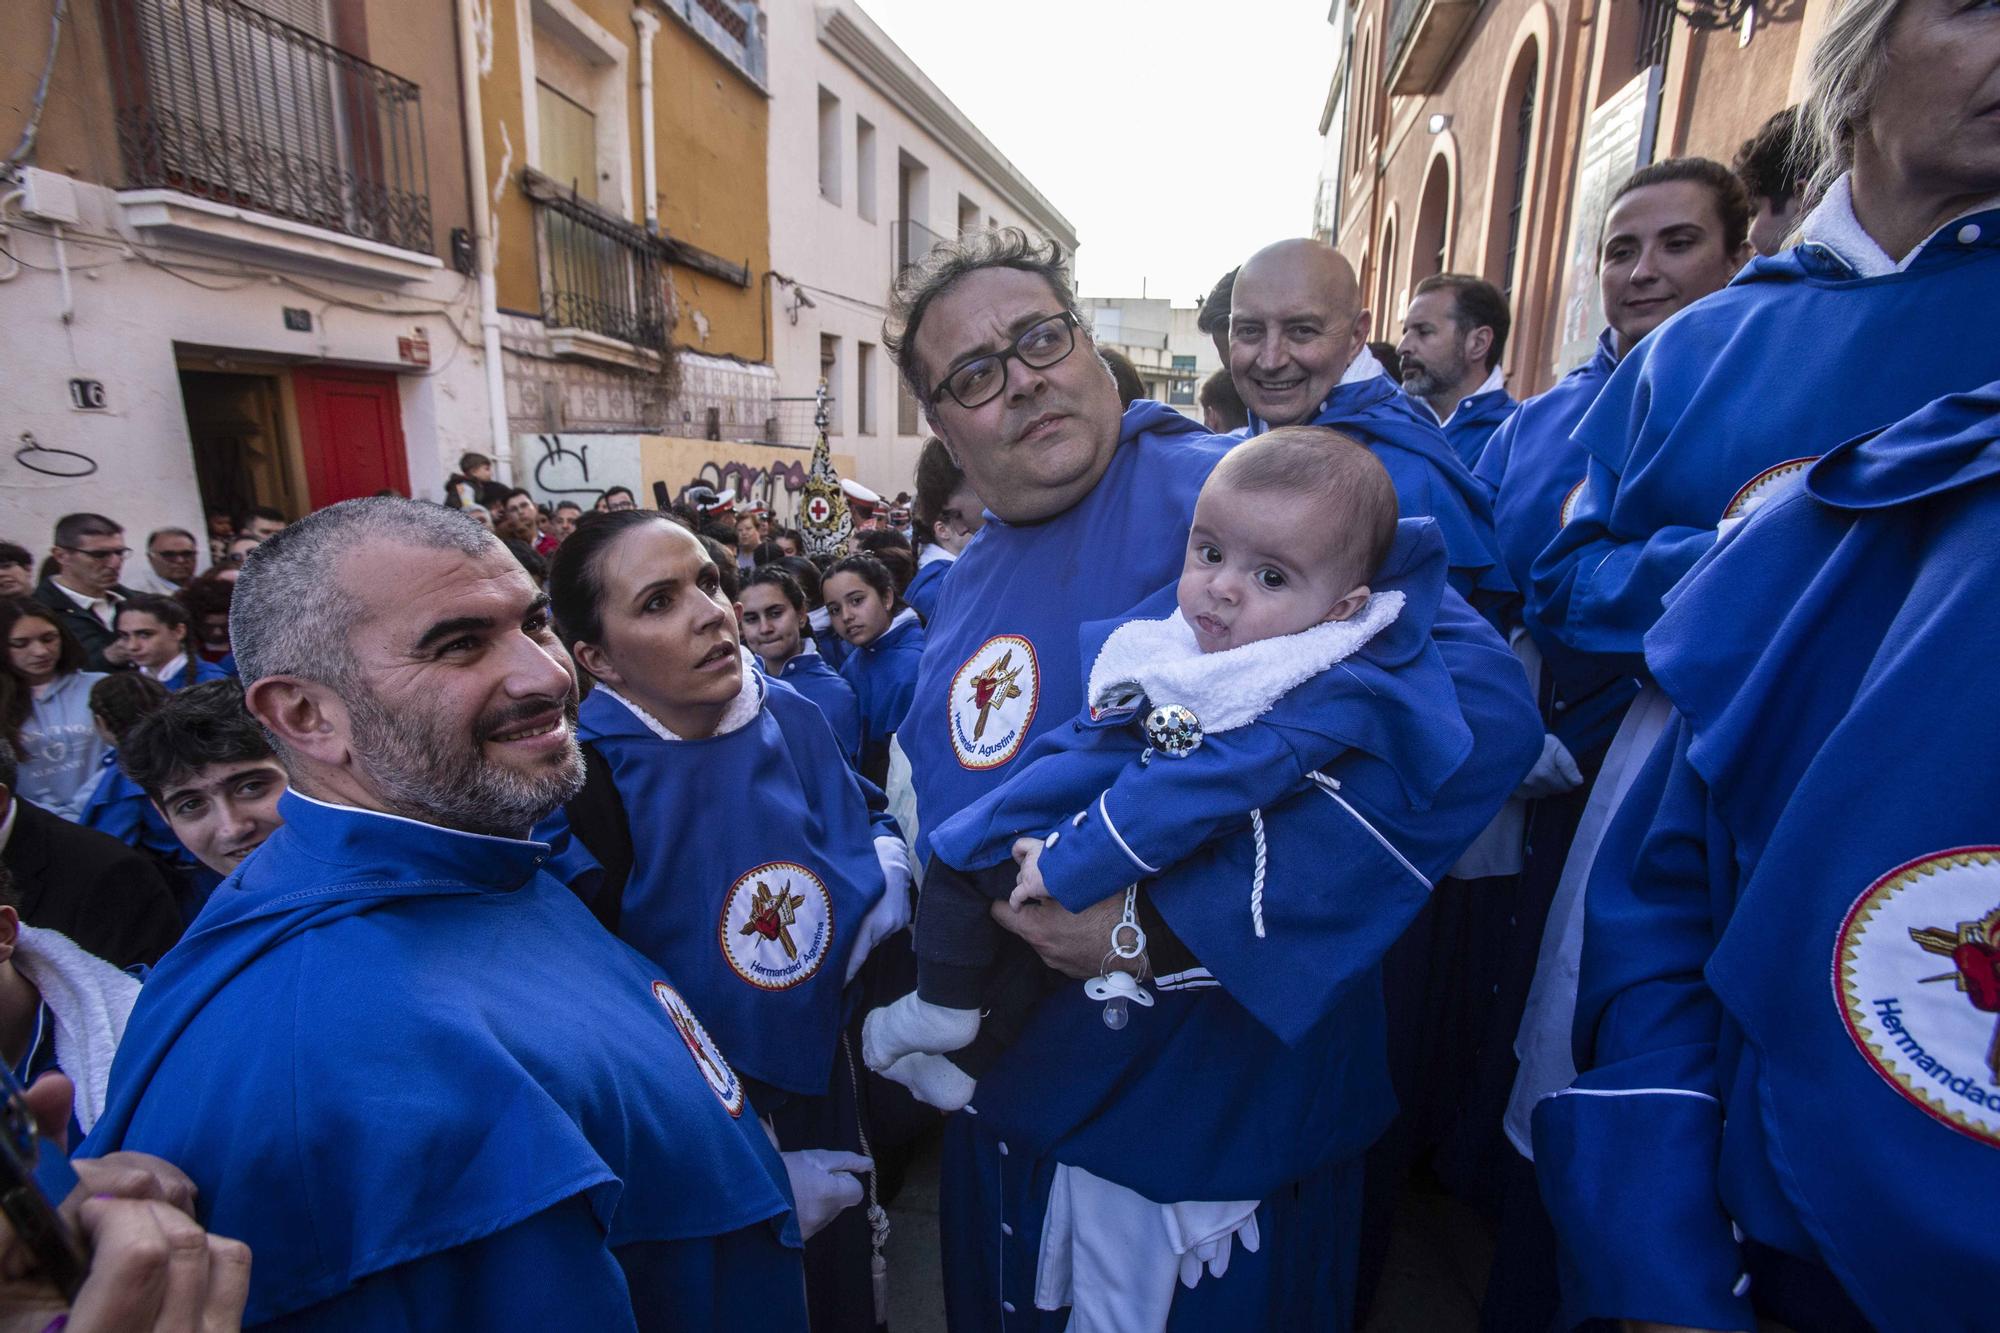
175, 555
102, 553
981, 380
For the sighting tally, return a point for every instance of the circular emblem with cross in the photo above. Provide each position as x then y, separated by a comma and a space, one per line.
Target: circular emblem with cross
993, 699
1917, 974
715, 1070
777, 925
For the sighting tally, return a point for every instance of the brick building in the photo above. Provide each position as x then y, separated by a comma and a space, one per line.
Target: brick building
1481, 136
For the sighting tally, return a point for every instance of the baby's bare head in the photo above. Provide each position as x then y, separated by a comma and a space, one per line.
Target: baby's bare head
1350, 522
1289, 531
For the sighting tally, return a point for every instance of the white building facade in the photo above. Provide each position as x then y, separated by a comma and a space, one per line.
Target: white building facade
870, 166
1161, 341
228, 284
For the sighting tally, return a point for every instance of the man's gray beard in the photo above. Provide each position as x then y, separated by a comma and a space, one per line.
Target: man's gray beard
1423, 384
425, 773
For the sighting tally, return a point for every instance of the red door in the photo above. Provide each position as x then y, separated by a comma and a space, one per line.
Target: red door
351, 431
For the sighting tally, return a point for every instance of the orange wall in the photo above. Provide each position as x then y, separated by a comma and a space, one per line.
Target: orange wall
710, 124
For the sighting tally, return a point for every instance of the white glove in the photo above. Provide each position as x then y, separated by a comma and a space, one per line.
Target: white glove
1553, 774
1211, 1251
892, 912
824, 1183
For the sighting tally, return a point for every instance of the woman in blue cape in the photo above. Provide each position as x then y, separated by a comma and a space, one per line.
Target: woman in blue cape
948, 515
772, 611
1788, 998
1726, 404
888, 641
738, 851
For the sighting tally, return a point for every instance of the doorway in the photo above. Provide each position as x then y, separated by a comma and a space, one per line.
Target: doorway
245, 452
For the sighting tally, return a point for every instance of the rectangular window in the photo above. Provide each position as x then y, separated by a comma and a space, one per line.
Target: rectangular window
864, 169
829, 370
864, 385
829, 146
569, 142
907, 422
968, 216
1181, 391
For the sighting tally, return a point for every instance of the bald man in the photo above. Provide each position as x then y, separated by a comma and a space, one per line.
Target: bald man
1298, 353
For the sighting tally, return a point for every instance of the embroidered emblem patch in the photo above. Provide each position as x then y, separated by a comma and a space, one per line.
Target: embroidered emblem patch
1767, 486
777, 925
715, 1070
1570, 502
1917, 973
993, 699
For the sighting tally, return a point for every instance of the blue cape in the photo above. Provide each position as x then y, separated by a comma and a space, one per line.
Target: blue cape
1795, 355
810, 675
1280, 1068
1430, 482
1473, 422
1007, 618
1801, 944
373, 1046
769, 992
925, 587
1533, 469
1391, 699
882, 676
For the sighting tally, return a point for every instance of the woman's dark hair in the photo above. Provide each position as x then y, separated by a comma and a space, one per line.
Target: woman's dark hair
11, 554
809, 579
773, 576
17, 697
576, 575
124, 697
169, 613
766, 553
1732, 201
937, 478
892, 548
872, 572
206, 596
725, 566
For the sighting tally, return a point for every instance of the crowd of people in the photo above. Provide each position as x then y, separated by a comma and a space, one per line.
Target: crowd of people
496, 915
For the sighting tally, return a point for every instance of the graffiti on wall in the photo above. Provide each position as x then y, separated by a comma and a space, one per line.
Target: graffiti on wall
576, 467
753, 483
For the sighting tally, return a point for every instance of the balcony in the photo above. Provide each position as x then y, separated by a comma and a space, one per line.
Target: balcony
1423, 37
913, 241
603, 279
223, 111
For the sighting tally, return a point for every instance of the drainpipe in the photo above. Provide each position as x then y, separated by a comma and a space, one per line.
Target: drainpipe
647, 26
470, 75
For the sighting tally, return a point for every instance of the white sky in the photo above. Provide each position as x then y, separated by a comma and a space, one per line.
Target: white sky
1189, 133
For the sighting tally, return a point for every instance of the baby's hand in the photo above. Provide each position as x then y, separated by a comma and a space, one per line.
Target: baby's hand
1029, 887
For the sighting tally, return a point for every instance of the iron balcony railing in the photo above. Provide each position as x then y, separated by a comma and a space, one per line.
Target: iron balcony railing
913, 242
1656, 32
599, 273
219, 100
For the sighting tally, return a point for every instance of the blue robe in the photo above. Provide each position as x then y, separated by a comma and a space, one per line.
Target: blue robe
1788, 1001
1533, 469
1430, 482
809, 674
1391, 699
1707, 412
925, 587
1270, 1053
413, 1073
120, 807
1005, 633
202, 673
1472, 423
707, 897
883, 675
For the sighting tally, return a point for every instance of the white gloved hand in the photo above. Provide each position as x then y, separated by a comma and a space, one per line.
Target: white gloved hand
1213, 1254
891, 912
1553, 774
824, 1183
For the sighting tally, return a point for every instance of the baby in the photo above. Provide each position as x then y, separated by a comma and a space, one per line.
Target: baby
1179, 745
